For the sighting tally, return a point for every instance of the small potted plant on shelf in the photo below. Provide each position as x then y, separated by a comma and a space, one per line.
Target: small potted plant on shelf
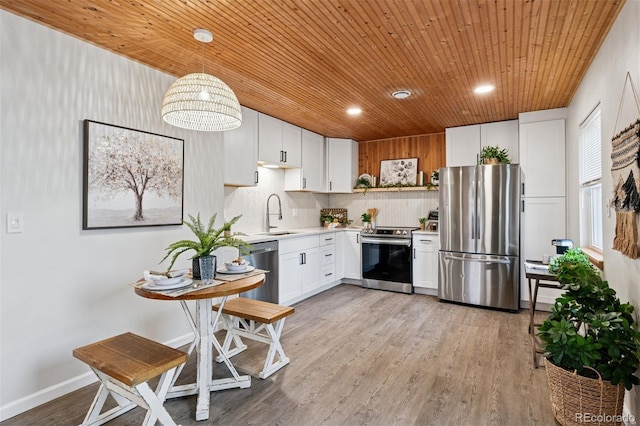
435, 177
591, 343
423, 223
208, 240
494, 155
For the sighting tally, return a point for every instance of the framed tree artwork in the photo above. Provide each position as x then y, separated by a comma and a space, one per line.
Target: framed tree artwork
131, 178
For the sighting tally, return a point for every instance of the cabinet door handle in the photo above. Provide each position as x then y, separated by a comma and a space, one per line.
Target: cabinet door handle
328, 239
328, 255
304, 183
285, 156
329, 274
414, 253
257, 177
281, 156
425, 241
330, 185
301, 258
522, 188
522, 206
357, 238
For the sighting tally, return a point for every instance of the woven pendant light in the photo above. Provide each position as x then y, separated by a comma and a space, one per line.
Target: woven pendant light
201, 101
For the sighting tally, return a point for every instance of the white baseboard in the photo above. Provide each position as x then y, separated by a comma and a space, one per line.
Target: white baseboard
50, 393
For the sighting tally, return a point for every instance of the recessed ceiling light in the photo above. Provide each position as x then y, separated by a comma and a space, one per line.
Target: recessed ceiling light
485, 88
401, 94
354, 111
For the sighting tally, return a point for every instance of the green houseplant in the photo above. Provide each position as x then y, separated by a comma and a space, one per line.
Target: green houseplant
423, 222
494, 155
208, 239
590, 338
326, 219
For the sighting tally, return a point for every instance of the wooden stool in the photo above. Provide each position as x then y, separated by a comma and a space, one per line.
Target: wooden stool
124, 364
241, 316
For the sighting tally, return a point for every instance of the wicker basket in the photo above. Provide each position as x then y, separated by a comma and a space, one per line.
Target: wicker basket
578, 400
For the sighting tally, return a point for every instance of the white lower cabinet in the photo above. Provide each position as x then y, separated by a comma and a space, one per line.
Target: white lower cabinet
425, 263
299, 268
351, 258
327, 258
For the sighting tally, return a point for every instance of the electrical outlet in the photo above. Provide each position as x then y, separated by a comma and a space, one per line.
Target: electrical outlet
14, 222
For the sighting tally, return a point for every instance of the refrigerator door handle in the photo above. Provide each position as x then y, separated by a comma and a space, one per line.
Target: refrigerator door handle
487, 260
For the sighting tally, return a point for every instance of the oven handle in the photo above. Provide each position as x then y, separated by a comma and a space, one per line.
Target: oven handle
386, 241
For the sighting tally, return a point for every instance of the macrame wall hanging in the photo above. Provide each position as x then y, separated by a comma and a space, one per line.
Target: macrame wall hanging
625, 168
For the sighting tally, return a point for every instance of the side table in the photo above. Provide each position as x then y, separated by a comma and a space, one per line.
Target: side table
534, 270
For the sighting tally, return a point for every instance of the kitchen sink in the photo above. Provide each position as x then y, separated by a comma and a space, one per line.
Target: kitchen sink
278, 233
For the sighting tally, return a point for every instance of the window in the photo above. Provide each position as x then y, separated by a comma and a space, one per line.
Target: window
590, 182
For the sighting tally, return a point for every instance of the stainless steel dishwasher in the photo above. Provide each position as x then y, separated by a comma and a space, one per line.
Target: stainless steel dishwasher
264, 256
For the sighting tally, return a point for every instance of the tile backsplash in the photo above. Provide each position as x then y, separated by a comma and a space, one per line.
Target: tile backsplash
394, 208
299, 209
302, 209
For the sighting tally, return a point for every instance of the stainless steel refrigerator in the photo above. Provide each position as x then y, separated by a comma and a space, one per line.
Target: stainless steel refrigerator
480, 235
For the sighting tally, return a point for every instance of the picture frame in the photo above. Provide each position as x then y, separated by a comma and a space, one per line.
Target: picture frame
131, 178
399, 172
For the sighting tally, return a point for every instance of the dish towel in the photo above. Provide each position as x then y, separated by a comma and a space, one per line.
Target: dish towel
625, 168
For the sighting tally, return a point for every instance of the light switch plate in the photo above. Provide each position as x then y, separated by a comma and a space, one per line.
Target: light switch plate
14, 222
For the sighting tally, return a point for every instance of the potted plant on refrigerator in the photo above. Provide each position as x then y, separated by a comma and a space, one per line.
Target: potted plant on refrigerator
591, 343
208, 239
494, 155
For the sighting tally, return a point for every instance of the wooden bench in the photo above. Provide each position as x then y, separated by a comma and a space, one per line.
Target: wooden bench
255, 320
124, 364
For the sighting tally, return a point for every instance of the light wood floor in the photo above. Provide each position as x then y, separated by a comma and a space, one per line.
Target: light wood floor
361, 356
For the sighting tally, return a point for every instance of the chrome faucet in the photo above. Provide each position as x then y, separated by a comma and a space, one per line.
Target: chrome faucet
269, 227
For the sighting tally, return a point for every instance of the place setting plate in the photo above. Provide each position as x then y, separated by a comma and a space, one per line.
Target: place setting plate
161, 285
224, 270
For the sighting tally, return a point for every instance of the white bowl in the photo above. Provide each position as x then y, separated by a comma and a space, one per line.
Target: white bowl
161, 279
235, 266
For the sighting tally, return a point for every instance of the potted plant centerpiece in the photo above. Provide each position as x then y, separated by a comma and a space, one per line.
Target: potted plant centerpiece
208, 239
494, 155
423, 222
591, 343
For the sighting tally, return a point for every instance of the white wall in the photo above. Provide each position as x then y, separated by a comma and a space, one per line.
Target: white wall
603, 83
61, 287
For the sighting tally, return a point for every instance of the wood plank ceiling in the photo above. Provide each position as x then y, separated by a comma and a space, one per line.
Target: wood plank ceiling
307, 61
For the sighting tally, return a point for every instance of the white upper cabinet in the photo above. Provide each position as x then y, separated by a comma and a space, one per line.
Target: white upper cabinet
241, 151
503, 134
278, 142
542, 145
310, 177
464, 143
342, 165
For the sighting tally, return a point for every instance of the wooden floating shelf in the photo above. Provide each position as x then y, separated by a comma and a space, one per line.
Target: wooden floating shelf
396, 189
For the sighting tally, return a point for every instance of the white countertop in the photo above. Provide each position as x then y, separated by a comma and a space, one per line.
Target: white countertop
303, 232
298, 232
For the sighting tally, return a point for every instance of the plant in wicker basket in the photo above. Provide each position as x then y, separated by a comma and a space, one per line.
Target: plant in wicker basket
590, 338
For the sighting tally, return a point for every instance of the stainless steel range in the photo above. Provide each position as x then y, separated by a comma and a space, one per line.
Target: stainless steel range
386, 258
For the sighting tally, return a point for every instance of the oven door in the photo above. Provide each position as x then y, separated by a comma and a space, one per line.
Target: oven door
386, 264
